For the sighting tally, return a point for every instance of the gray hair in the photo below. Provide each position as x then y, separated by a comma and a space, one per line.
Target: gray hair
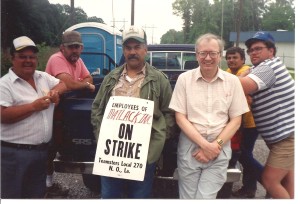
208, 37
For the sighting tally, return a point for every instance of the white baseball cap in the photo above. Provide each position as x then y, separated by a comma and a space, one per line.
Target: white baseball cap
23, 42
136, 33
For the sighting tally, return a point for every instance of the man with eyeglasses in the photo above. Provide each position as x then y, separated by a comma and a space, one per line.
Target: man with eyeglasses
27, 103
242, 148
273, 90
208, 104
67, 66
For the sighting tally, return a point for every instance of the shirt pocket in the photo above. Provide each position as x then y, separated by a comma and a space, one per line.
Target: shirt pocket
222, 102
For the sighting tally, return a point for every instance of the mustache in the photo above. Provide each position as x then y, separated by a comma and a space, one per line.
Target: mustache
132, 57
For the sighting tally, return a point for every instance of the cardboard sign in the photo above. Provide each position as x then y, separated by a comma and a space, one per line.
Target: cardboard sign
124, 138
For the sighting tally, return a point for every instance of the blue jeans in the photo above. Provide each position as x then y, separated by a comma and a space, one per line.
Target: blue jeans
23, 173
252, 169
118, 188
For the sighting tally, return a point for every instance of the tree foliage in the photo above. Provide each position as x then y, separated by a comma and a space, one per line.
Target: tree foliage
278, 15
42, 21
222, 17
173, 37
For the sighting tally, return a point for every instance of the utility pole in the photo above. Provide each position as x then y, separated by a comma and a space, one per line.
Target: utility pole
238, 26
222, 18
152, 27
123, 21
132, 12
72, 21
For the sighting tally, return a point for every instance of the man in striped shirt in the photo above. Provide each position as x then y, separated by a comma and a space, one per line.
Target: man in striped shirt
272, 90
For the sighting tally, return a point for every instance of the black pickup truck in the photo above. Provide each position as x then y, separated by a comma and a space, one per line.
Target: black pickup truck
78, 145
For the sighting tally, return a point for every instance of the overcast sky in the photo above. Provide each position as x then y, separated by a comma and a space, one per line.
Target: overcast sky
156, 16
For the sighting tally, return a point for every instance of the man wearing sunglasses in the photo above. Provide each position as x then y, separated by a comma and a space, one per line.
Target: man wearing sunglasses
67, 66
272, 89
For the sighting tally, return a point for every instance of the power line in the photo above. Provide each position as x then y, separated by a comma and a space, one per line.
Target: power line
152, 27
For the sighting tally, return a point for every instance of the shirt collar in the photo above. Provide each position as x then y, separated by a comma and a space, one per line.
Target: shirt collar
15, 77
143, 71
219, 74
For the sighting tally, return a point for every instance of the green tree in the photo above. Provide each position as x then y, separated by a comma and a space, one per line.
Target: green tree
184, 8
38, 19
172, 37
279, 15
203, 16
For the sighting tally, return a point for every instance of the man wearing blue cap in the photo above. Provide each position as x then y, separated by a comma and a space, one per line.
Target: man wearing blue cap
272, 89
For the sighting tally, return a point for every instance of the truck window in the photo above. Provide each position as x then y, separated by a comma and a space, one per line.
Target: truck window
165, 60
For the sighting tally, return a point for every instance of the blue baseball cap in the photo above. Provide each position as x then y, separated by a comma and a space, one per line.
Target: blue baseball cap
260, 36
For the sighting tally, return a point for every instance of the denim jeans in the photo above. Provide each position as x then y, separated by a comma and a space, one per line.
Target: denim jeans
252, 169
23, 173
123, 188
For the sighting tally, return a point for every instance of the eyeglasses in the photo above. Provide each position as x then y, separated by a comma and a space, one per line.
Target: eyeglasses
212, 54
255, 49
25, 57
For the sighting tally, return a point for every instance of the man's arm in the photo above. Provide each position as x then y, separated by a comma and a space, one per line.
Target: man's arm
248, 84
211, 150
72, 84
14, 114
56, 91
230, 129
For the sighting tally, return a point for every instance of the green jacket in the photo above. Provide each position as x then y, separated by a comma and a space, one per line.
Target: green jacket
155, 87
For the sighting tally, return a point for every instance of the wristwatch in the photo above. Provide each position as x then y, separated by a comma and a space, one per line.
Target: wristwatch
220, 142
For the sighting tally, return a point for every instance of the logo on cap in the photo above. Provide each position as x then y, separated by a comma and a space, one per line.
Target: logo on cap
262, 36
134, 33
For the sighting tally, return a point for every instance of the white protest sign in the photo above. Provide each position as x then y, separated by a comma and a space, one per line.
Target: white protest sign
124, 138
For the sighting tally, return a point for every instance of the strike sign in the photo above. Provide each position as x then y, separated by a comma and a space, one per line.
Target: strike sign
124, 138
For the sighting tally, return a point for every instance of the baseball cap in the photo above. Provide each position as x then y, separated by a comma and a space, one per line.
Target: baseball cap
21, 43
260, 36
136, 33
71, 38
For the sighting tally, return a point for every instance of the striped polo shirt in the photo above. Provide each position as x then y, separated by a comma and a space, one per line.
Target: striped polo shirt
273, 103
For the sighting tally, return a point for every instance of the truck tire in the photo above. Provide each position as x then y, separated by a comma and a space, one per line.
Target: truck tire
92, 182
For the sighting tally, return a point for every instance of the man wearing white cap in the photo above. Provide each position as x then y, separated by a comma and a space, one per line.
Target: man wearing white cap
136, 78
27, 102
273, 92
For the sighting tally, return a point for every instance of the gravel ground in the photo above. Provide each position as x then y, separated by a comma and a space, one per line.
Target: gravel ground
167, 189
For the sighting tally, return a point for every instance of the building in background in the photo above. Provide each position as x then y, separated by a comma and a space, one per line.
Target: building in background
284, 41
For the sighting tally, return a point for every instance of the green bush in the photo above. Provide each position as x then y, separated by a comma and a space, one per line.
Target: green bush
5, 62
43, 55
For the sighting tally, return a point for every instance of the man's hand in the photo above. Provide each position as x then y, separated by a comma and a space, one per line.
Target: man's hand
200, 156
41, 103
54, 96
208, 152
90, 87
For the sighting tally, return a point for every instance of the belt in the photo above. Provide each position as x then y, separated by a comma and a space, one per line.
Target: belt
42, 146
